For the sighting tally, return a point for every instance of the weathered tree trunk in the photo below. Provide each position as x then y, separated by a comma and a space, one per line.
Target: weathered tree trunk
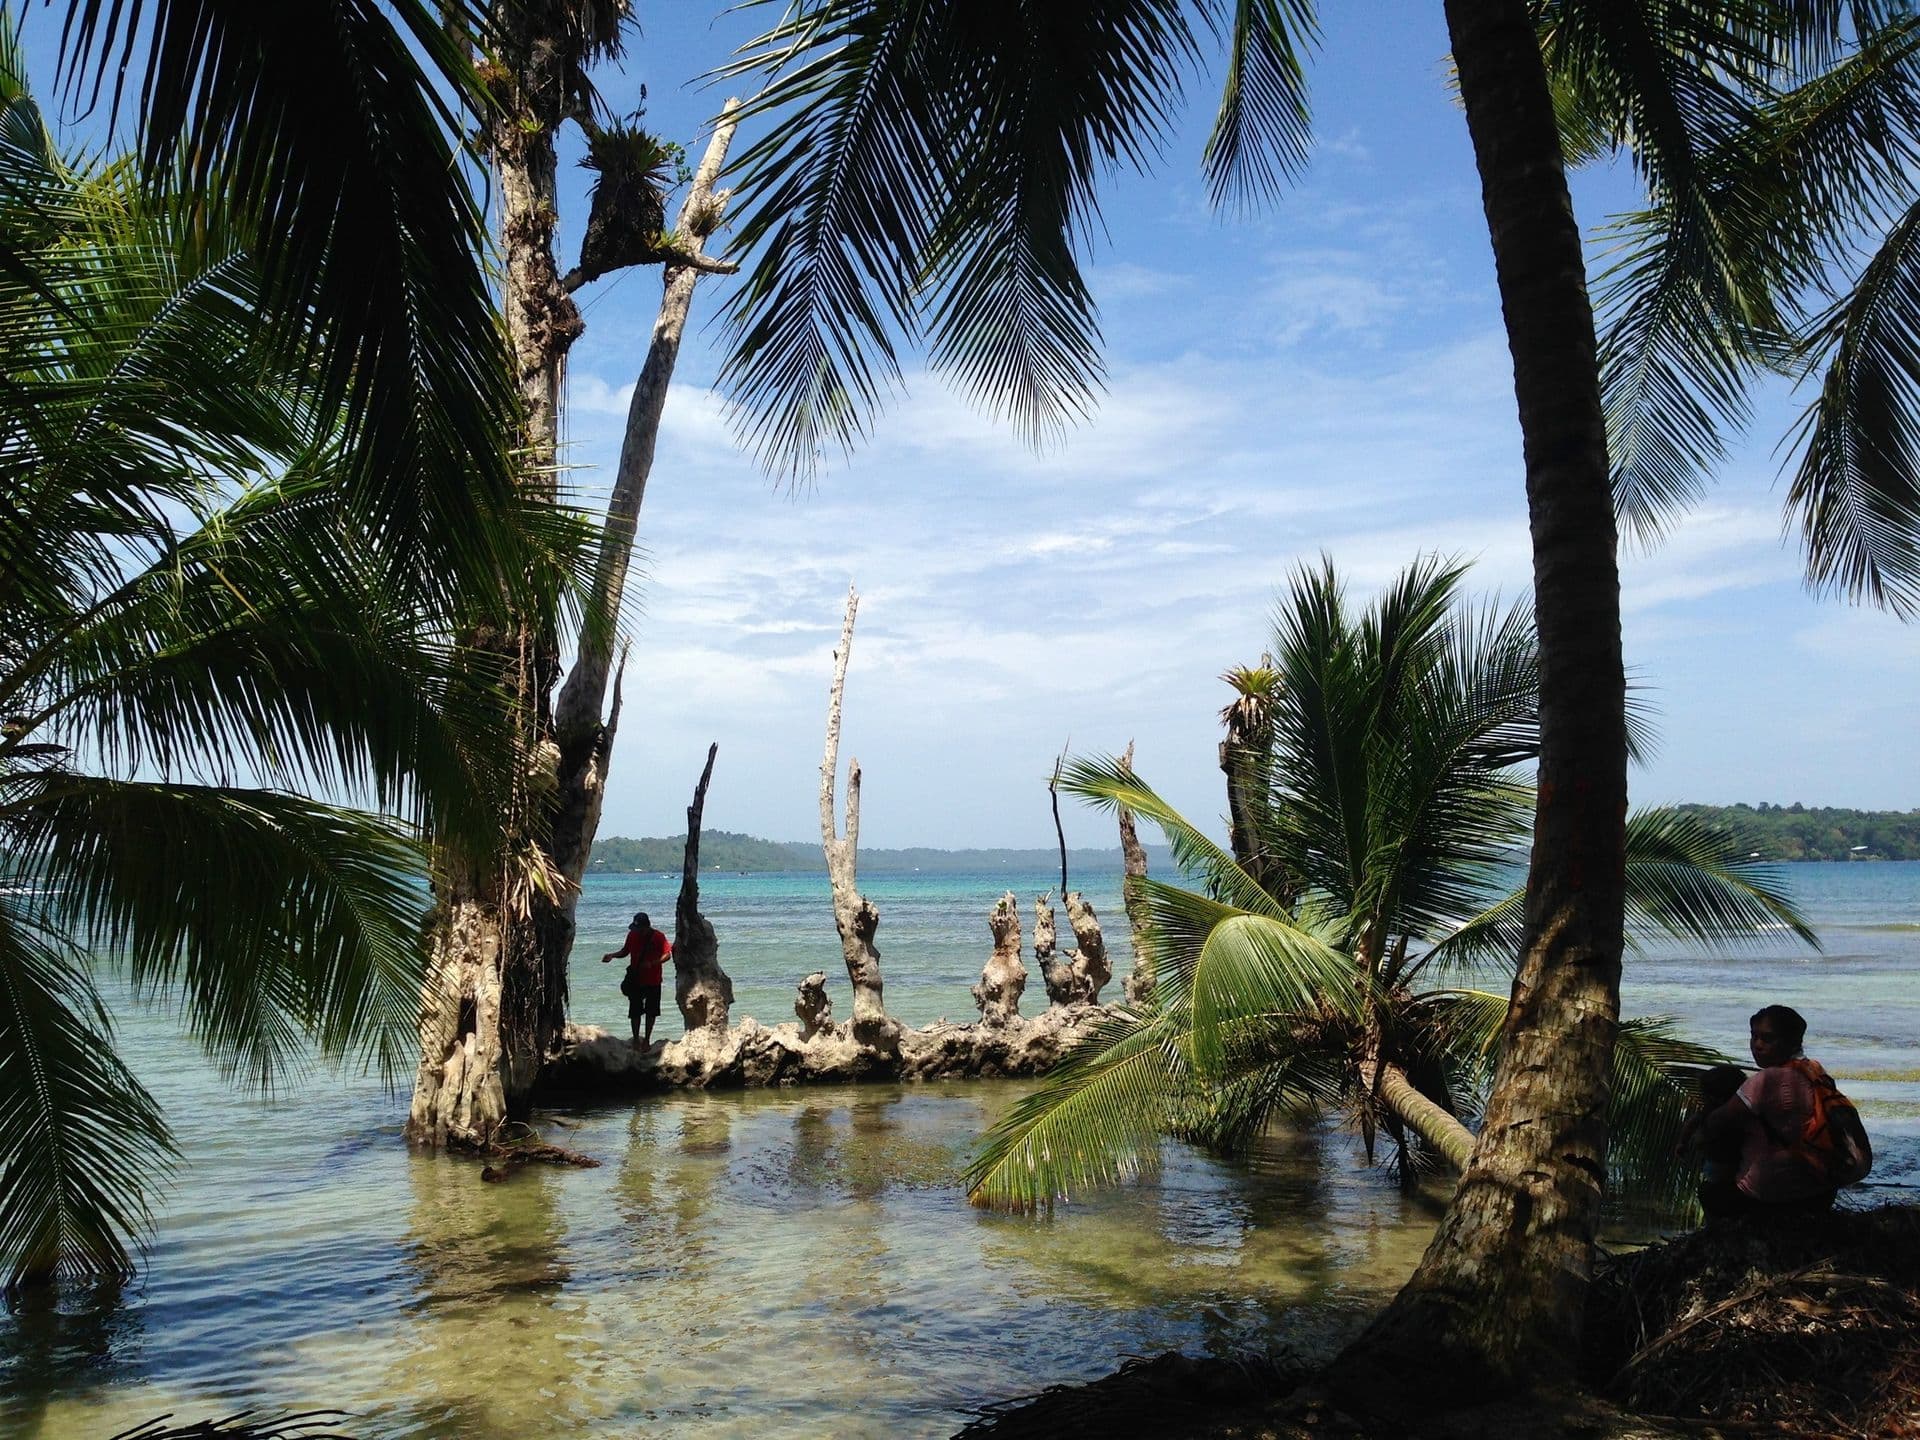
812, 1006
505, 923
700, 987
1055, 974
853, 914
585, 740
1089, 964
1497, 1301
1246, 759
1004, 976
492, 1005
1138, 987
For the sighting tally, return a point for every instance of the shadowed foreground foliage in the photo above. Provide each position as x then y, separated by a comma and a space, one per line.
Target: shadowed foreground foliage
1812, 1329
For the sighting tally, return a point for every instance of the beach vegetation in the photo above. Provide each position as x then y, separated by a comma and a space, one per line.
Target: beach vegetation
1386, 805
230, 577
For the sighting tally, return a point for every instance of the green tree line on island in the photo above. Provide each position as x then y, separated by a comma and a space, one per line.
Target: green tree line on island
1802, 832
748, 854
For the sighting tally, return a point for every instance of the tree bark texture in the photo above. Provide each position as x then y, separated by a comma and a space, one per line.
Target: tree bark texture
853, 914
1056, 974
493, 1003
585, 741
700, 987
1497, 1300
1089, 964
1004, 976
1138, 987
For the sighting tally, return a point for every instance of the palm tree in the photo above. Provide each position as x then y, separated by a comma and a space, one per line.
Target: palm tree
931, 171
203, 614
335, 130
1393, 806
1763, 172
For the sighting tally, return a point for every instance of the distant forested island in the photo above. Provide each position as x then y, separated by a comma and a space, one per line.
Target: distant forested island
724, 850
1800, 832
1778, 832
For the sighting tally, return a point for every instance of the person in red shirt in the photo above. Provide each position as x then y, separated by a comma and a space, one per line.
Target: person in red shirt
646, 951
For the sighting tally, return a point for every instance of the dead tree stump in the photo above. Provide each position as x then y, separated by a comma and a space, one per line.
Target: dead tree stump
1089, 964
853, 914
813, 1006
700, 987
1005, 974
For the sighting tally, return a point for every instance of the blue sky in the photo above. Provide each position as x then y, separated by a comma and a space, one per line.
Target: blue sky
1327, 376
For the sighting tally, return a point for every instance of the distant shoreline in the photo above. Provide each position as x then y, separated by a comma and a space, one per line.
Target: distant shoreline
1784, 834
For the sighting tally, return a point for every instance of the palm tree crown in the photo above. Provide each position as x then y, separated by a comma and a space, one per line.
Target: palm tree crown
1395, 806
202, 616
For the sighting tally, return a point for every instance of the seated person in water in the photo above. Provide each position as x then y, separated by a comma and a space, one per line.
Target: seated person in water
646, 951
1764, 1122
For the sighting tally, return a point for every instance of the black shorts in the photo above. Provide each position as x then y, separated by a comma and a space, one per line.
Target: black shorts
643, 1001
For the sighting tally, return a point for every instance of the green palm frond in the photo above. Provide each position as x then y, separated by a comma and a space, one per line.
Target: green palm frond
1854, 491
1655, 1072
270, 918
1263, 132
1254, 965
1104, 782
1098, 1117
335, 130
1686, 878
931, 171
276, 639
81, 1141
838, 195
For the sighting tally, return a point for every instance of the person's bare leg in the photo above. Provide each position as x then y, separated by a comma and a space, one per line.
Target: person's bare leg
650, 1019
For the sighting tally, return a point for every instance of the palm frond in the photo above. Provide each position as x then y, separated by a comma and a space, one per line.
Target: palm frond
838, 195
1253, 965
1097, 1118
1103, 781
1263, 132
81, 1141
272, 919
1854, 493
321, 124
1655, 1071
1688, 878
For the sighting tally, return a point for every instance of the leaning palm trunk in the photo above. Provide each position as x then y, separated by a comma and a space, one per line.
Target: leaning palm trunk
1432, 1122
1498, 1298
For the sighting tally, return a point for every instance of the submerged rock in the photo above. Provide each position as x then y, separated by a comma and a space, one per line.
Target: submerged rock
592, 1063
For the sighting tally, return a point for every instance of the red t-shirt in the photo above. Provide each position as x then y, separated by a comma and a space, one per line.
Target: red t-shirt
646, 967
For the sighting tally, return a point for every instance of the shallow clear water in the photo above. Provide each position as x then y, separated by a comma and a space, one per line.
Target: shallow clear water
795, 1262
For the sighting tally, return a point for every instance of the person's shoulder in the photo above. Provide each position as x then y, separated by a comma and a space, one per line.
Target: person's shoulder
1770, 1082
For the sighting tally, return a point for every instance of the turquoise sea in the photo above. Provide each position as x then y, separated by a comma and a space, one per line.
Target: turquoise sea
796, 1262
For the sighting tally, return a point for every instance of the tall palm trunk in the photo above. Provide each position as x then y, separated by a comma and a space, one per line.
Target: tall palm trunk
494, 1001
1497, 1299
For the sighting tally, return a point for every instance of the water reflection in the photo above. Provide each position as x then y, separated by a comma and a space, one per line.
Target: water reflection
762, 1264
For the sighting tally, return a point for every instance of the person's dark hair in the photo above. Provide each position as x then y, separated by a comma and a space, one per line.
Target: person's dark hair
1791, 1024
1720, 1083
640, 922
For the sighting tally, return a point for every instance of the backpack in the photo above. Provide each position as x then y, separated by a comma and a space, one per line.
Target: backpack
1833, 1143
